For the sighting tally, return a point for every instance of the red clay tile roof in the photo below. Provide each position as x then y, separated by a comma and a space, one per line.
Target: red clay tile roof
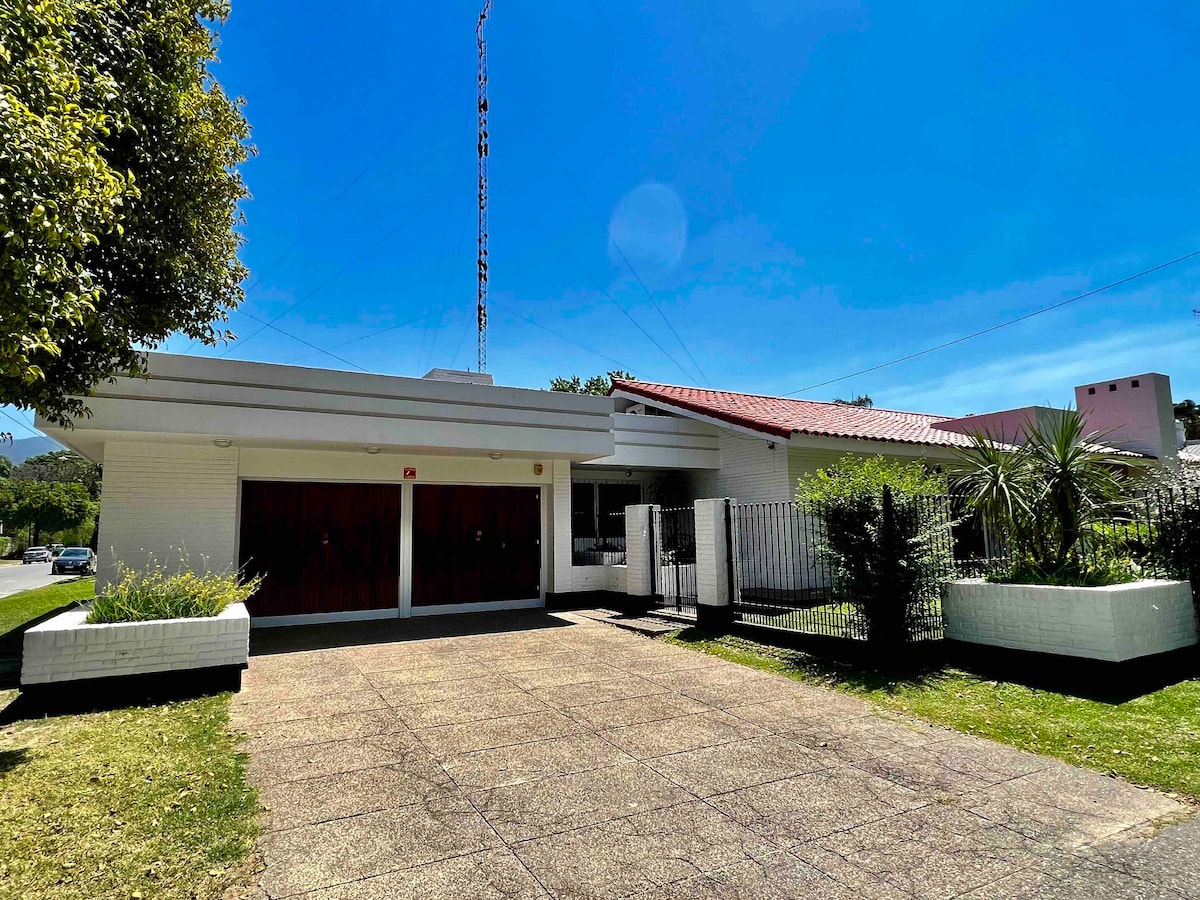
782, 417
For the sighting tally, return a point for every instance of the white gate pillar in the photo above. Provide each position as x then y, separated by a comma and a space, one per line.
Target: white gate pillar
640, 557
714, 565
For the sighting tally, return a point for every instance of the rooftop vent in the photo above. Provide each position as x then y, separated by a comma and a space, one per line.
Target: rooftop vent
457, 376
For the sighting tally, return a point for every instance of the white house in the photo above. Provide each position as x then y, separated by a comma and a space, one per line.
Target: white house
370, 496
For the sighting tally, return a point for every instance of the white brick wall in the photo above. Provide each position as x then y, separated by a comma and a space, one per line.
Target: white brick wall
162, 499
712, 573
66, 648
1114, 623
562, 578
639, 555
749, 471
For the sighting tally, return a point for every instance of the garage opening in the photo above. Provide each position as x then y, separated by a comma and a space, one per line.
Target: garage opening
322, 548
475, 544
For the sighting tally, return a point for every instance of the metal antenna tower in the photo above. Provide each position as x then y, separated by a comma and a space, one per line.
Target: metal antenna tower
482, 240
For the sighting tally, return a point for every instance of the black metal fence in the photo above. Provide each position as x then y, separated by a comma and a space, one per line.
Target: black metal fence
673, 560
807, 567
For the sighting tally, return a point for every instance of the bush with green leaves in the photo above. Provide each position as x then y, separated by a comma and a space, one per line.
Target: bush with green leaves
1055, 502
886, 537
141, 595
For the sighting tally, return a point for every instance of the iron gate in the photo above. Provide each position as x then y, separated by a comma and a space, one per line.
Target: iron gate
673, 564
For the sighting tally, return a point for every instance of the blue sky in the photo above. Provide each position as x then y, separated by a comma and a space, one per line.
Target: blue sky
806, 189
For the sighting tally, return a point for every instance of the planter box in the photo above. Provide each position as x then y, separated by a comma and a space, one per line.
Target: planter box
1114, 623
66, 648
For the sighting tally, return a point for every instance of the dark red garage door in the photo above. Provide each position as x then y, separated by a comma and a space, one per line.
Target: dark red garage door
475, 544
321, 548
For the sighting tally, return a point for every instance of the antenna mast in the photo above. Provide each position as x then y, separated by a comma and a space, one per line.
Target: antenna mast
482, 240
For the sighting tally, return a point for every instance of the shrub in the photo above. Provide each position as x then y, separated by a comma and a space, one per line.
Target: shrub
140, 596
885, 537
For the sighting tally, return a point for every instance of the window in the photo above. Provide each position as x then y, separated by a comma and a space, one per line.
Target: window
598, 520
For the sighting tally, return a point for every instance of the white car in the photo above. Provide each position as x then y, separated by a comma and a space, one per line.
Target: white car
36, 555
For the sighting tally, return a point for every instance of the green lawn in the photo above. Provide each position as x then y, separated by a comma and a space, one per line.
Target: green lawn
145, 802
1152, 740
20, 608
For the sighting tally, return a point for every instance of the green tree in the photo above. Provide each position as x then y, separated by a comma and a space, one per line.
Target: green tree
600, 385
44, 506
63, 466
118, 160
6, 467
863, 400
1187, 412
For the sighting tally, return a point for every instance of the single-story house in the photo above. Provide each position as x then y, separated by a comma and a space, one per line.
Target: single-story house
371, 496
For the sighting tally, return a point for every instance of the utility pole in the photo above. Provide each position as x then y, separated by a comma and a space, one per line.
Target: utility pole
481, 293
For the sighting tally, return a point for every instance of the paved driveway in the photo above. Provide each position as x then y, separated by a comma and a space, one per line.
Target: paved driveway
526, 755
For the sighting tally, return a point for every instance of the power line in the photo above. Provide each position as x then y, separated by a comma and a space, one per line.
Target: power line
332, 278
989, 330
361, 337
563, 337
621, 253
22, 423
603, 290
288, 334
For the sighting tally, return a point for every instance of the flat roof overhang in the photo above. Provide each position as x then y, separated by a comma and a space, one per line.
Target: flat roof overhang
195, 399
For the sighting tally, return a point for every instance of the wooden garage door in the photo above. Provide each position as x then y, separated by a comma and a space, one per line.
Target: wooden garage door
475, 544
321, 547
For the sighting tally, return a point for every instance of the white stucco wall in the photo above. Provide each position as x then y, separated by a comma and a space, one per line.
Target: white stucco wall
164, 500
1114, 623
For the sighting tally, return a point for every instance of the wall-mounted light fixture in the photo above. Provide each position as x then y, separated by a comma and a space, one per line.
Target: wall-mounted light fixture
770, 445
372, 450
629, 473
223, 443
495, 455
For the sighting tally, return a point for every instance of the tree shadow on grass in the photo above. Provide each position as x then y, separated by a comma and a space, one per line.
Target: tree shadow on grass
858, 667
12, 759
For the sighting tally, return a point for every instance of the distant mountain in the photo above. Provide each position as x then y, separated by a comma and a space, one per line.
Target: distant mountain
23, 448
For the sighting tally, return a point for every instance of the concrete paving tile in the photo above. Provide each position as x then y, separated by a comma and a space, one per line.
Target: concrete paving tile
304, 661
815, 805
316, 760
639, 854
450, 671
803, 706
777, 876
1165, 853
536, 808
656, 664
1069, 807
434, 691
567, 696
729, 767
263, 712
682, 680
266, 671
750, 690
1072, 880
332, 853
615, 713
322, 729
406, 659
486, 875
704, 729
532, 761
864, 737
301, 688
531, 662
448, 740
293, 803
560, 675
469, 709
935, 851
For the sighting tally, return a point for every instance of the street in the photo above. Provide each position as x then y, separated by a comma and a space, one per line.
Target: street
16, 578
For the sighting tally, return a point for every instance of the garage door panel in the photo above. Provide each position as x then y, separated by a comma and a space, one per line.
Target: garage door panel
321, 548
475, 544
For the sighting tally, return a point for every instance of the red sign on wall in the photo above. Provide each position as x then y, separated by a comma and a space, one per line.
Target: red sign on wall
410, 471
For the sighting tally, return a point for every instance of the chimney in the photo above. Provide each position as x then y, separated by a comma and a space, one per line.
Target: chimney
1136, 413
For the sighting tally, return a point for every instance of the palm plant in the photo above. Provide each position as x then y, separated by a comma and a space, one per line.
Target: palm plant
1044, 498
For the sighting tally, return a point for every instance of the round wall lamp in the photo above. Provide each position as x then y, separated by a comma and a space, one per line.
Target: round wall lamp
495, 455
223, 443
372, 450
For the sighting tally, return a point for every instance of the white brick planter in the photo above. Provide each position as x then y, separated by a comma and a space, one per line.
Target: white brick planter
1114, 623
66, 648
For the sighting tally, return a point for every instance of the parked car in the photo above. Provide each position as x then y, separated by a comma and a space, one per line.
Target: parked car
56, 549
36, 555
74, 559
